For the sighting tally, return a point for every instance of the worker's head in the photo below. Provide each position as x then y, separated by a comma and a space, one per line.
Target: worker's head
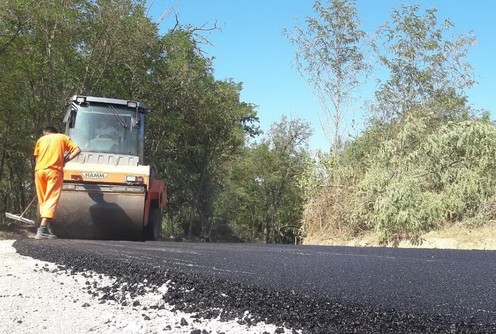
50, 129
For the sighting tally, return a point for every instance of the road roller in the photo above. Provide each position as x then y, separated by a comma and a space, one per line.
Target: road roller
109, 193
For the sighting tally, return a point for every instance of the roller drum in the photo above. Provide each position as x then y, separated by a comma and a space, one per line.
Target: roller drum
100, 213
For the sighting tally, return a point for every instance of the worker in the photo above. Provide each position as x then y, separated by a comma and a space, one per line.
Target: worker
106, 130
52, 151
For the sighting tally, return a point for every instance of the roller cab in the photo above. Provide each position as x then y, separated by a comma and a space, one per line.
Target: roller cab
108, 192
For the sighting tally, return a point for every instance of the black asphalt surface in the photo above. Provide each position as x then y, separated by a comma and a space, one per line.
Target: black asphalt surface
309, 288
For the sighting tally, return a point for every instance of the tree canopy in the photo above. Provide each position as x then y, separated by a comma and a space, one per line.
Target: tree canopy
52, 50
424, 159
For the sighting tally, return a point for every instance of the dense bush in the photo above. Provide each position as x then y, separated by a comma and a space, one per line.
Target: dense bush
421, 178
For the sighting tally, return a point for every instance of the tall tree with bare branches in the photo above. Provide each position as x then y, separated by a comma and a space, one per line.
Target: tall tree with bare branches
329, 55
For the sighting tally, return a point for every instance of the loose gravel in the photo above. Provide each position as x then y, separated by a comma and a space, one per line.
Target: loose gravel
42, 297
151, 299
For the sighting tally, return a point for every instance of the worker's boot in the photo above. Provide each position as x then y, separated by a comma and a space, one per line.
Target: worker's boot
44, 233
50, 231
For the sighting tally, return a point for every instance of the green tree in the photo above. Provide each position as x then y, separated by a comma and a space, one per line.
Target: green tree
52, 50
36, 43
329, 54
261, 198
423, 62
197, 126
409, 171
117, 47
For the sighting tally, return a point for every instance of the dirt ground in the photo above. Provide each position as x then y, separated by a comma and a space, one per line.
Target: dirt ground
16, 230
454, 237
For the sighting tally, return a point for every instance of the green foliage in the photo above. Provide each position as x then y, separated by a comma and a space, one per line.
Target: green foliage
416, 181
26, 60
424, 160
198, 125
117, 46
422, 60
261, 197
396, 205
52, 50
455, 171
462, 161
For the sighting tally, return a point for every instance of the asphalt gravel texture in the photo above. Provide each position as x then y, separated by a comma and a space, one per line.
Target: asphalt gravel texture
297, 288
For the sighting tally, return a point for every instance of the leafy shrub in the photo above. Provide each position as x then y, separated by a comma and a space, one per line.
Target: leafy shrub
421, 177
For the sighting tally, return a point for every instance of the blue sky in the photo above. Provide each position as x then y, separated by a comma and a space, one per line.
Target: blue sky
250, 47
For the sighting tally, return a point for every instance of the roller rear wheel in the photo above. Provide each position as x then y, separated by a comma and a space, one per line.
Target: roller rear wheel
153, 230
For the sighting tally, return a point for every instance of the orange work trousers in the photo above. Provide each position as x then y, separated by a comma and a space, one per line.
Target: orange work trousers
48, 188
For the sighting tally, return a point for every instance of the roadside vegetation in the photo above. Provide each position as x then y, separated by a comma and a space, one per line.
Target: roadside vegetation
423, 161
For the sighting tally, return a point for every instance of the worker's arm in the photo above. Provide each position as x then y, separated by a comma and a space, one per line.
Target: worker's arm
72, 154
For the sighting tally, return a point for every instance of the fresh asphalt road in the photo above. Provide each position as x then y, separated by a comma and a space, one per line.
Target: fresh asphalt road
452, 283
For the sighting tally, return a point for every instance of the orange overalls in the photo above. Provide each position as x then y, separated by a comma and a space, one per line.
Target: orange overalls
49, 174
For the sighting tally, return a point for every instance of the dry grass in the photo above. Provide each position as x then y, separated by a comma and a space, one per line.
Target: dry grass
324, 214
453, 237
